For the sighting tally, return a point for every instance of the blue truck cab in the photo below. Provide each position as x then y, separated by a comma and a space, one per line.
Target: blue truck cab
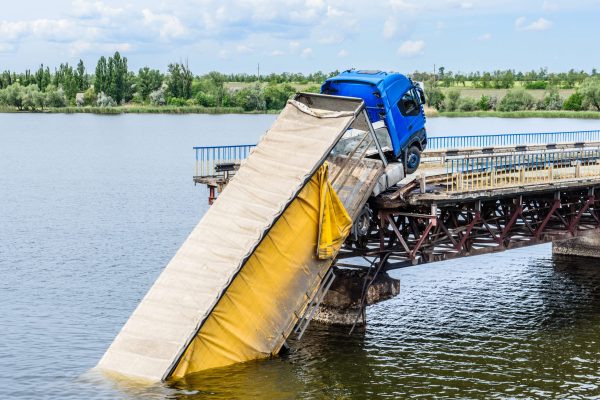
393, 103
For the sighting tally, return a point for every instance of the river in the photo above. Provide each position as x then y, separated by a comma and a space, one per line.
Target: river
93, 207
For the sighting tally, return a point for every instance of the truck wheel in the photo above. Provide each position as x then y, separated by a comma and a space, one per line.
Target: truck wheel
413, 159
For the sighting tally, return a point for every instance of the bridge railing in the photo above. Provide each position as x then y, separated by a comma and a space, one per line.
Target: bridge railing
518, 169
208, 158
509, 139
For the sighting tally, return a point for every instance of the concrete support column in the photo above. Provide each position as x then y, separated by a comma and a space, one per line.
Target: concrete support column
583, 246
342, 302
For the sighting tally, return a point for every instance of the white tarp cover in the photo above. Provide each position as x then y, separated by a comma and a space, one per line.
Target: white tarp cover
168, 317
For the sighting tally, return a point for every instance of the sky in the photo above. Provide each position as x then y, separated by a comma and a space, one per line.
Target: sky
235, 36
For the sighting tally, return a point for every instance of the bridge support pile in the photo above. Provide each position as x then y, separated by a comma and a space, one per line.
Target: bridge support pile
586, 246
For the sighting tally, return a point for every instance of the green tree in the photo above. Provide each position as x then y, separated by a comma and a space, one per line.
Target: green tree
574, 102
31, 97
251, 98
452, 100
516, 100
179, 82
101, 81
590, 92
43, 77
435, 97
118, 78
55, 97
148, 80
276, 96
551, 100
467, 104
89, 97
13, 95
64, 77
81, 81
484, 103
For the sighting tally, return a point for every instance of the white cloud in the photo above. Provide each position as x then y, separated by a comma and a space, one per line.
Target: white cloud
549, 6
540, 24
167, 26
335, 38
389, 28
306, 53
244, 49
223, 54
404, 5
276, 53
6, 48
343, 53
411, 48
91, 9
80, 47
484, 37
294, 46
48, 29
334, 12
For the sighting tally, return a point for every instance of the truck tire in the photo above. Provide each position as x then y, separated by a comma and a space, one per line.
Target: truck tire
413, 159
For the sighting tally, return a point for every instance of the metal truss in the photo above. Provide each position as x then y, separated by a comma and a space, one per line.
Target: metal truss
410, 235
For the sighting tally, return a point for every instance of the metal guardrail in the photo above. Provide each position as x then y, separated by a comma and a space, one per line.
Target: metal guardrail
518, 169
208, 157
508, 139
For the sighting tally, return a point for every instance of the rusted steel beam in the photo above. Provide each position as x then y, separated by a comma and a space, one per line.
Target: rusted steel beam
516, 213
555, 206
461, 246
398, 234
583, 209
431, 224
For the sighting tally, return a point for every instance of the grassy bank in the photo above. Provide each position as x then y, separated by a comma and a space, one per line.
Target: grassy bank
149, 110
429, 112
521, 114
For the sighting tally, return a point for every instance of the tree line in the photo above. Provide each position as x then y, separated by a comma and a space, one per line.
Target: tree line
506, 79
111, 83
585, 97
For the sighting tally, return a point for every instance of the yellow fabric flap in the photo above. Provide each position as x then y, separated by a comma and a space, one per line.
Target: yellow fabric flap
334, 221
258, 310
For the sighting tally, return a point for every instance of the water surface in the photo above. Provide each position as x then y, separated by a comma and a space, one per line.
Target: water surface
93, 207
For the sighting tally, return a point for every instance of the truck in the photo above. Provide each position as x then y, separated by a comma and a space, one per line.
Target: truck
394, 105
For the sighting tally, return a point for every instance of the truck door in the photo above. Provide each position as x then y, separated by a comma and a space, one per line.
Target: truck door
404, 115
410, 109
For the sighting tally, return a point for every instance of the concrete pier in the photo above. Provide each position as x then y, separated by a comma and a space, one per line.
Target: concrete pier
583, 246
342, 302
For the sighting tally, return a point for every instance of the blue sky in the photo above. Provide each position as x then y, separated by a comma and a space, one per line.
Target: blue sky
304, 35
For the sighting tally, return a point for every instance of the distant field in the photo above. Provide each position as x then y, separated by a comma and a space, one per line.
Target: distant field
475, 93
465, 91
240, 85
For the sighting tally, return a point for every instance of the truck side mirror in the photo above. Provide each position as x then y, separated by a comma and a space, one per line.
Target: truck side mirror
421, 95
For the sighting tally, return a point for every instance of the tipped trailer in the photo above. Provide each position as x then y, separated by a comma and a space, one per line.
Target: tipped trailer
256, 267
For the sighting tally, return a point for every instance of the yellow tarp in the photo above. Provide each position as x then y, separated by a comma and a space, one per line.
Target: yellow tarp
262, 304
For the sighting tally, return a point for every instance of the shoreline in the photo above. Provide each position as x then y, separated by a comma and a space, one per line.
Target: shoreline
430, 113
